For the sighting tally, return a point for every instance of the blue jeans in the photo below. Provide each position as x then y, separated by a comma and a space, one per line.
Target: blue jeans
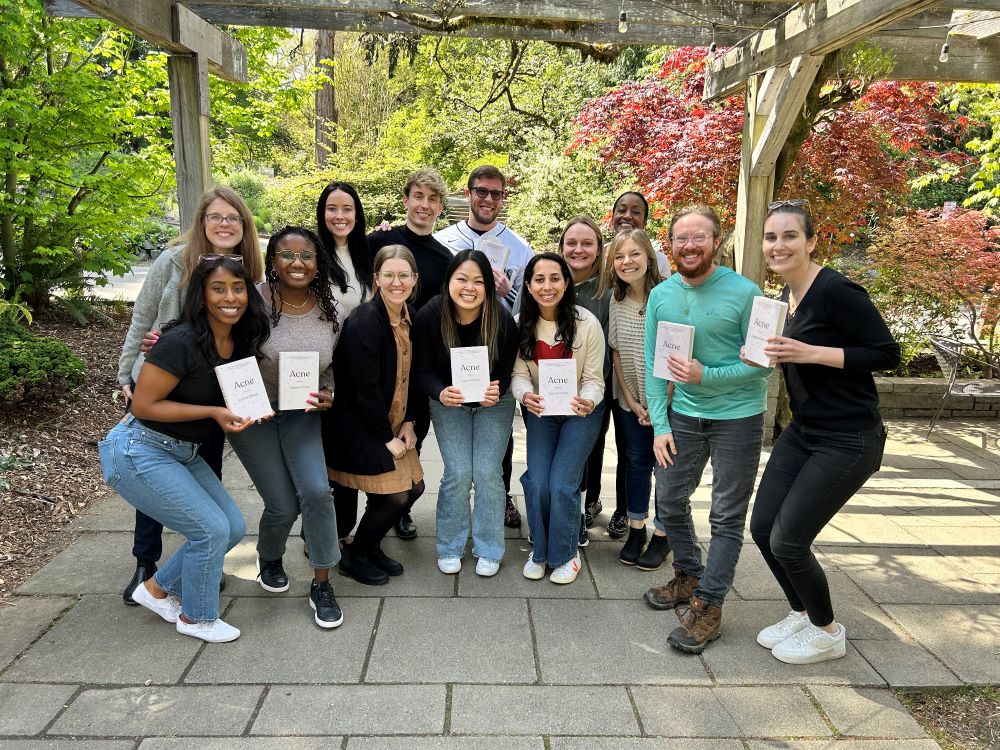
284, 457
637, 451
167, 480
472, 441
557, 448
734, 447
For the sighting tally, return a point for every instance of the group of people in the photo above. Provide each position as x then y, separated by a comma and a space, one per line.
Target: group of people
388, 310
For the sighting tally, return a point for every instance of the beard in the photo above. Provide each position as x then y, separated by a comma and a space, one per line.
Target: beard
703, 267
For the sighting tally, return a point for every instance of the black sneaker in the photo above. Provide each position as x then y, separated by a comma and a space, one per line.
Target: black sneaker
405, 528
511, 515
272, 575
618, 525
324, 604
584, 537
591, 512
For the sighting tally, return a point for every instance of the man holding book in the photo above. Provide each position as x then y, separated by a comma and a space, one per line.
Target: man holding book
716, 412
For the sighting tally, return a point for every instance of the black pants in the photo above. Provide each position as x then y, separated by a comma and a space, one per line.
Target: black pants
810, 476
147, 539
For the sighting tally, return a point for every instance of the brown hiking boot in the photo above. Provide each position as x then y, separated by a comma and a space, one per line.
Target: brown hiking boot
678, 590
701, 623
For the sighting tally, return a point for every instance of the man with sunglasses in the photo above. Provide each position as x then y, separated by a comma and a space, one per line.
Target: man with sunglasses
486, 190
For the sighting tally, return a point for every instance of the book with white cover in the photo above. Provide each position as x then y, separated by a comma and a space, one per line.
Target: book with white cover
767, 319
243, 388
496, 251
675, 339
470, 371
556, 386
298, 377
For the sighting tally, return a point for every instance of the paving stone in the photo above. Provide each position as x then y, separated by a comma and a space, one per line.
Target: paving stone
968, 645
357, 709
736, 658
175, 711
683, 712
617, 581
906, 664
640, 743
240, 743
860, 712
531, 710
839, 744
27, 709
280, 642
767, 711
101, 641
23, 619
111, 513
445, 743
633, 641
867, 528
452, 640
47, 744
510, 583
753, 580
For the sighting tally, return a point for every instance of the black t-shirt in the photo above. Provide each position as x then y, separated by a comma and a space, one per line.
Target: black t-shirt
432, 258
178, 353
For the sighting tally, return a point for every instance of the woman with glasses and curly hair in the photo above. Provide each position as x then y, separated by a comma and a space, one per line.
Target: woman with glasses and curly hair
151, 457
223, 225
284, 455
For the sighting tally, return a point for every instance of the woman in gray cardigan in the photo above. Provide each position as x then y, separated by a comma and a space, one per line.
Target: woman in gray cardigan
223, 225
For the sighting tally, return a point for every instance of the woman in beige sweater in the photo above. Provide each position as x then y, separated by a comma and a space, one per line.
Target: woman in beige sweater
552, 327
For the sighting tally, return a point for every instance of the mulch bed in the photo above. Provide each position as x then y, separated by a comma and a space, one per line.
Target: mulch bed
50, 473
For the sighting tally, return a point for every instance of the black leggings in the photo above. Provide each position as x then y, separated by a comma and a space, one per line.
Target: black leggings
381, 514
810, 476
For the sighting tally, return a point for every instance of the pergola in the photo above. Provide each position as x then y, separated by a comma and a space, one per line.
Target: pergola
775, 52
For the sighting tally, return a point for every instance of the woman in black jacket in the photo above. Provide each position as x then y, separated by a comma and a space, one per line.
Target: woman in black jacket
373, 444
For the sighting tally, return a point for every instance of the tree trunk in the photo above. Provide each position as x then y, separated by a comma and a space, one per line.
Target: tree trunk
326, 100
7, 242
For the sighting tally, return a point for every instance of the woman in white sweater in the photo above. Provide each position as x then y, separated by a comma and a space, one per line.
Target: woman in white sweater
551, 326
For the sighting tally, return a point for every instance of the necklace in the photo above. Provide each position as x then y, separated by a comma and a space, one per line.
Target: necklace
296, 307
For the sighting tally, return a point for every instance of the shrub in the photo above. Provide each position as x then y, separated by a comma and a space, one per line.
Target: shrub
32, 367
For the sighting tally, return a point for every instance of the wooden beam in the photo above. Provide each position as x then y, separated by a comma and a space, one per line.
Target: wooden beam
979, 25
168, 25
753, 193
811, 29
916, 59
792, 89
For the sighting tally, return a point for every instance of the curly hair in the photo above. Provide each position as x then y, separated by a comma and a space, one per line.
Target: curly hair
320, 284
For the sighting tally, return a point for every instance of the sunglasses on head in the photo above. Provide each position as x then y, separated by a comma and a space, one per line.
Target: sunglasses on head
794, 203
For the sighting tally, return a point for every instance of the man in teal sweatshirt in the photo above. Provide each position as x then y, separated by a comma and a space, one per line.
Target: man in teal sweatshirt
716, 412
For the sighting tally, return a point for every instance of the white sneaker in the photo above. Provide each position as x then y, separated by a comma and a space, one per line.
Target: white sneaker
169, 609
812, 644
449, 565
566, 573
212, 632
534, 571
772, 635
486, 568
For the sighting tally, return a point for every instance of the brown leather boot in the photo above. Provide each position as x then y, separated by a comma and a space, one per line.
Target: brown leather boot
701, 623
678, 590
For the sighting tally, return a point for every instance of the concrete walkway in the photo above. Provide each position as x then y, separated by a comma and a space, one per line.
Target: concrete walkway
461, 662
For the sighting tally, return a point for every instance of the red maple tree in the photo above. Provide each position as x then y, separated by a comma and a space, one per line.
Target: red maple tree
855, 165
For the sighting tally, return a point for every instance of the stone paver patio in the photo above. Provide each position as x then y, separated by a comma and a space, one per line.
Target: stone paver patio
462, 663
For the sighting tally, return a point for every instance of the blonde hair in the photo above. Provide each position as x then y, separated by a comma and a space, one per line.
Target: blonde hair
698, 209
610, 279
586, 220
196, 243
394, 252
429, 178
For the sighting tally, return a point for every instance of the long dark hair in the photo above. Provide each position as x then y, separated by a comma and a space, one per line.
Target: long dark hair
320, 284
357, 245
249, 332
566, 315
489, 313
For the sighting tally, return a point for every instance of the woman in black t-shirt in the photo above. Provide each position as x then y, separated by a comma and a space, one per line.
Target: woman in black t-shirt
833, 340
151, 457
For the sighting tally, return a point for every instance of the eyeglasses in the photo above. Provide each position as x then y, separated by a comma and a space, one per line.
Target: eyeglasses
404, 276
216, 219
695, 239
209, 257
794, 203
481, 192
288, 256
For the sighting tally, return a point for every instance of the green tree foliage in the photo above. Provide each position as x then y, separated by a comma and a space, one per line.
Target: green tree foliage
981, 104
83, 152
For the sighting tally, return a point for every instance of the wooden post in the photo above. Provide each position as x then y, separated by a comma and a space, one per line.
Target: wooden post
326, 99
753, 192
189, 114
